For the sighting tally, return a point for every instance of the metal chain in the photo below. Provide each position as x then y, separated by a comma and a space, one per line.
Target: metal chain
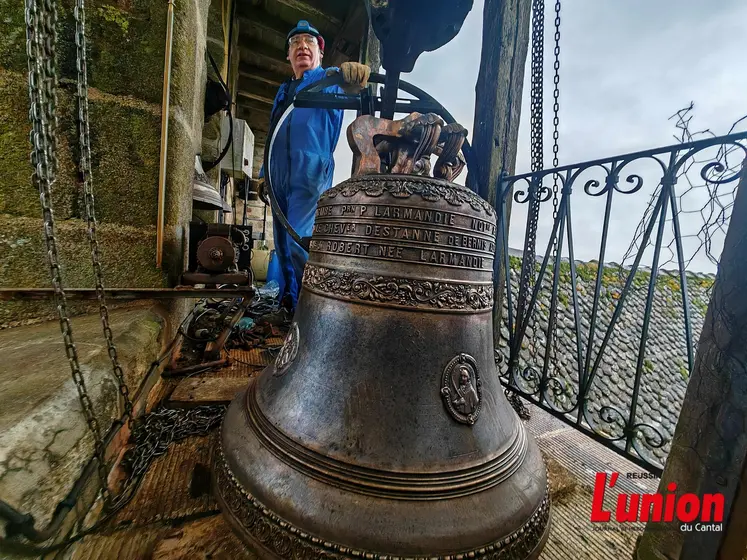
537, 148
556, 163
556, 108
536, 132
40, 37
155, 432
537, 98
85, 169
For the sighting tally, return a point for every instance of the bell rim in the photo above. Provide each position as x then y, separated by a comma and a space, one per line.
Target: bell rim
251, 520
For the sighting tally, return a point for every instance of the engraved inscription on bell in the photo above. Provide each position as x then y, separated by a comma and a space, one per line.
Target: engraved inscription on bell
402, 253
461, 389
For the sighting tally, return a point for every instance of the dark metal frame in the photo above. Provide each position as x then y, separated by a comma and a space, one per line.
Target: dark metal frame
545, 389
127, 294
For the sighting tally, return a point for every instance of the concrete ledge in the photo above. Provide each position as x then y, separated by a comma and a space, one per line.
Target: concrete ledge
44, 439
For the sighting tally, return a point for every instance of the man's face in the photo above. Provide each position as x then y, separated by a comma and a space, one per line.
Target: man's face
303, 53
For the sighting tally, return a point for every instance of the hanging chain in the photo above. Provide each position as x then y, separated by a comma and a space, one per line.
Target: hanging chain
556, 110
85, 169
556, 163
536, 132
537, 98
41, 18
537, 148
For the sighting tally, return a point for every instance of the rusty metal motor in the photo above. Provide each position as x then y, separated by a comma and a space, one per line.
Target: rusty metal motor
382, 430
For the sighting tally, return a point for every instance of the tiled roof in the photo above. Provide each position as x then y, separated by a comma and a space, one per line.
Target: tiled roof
665, 361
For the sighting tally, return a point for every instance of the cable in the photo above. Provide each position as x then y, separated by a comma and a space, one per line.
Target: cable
207, 167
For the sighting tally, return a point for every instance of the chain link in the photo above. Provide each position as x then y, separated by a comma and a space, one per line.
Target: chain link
556, 163
537, 149
154, 433
556, 109
536, 139
536, 133
85, 169
40, 39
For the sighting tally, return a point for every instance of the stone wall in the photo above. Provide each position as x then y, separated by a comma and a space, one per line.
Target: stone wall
126, 40
125, 67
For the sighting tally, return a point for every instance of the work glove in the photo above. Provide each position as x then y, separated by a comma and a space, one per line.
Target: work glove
355, 76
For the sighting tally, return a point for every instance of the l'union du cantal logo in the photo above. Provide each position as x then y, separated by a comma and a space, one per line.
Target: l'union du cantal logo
693, 512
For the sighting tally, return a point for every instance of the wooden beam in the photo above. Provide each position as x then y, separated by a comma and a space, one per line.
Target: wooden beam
254, 105
498, 106
312, 12
258, 121
352, 30
257, 97
254, 17
253, 72
257, 90
249, 45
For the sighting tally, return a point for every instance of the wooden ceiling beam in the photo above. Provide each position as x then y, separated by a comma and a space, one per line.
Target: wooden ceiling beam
260, 88
252, 46
258, 121
253, 17
349, 32
257, 97
256, 106
261, 75
312, 12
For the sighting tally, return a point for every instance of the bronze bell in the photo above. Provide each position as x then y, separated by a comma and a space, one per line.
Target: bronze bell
382, 430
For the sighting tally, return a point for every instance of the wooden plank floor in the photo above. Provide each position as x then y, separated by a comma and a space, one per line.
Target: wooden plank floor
174, 515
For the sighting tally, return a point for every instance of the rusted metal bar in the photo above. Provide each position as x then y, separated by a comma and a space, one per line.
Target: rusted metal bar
197, 367
124, 294
213, 349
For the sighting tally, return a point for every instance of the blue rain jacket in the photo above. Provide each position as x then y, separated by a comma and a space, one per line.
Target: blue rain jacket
302, 169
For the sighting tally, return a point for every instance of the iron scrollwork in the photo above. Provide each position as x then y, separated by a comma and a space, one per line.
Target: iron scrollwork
569, 387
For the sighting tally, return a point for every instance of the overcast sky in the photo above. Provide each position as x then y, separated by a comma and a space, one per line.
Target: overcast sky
626, 67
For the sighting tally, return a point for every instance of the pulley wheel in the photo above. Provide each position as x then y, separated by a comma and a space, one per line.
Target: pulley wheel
216, 254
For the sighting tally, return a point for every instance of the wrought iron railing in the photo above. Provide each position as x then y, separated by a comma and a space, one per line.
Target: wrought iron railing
608, 347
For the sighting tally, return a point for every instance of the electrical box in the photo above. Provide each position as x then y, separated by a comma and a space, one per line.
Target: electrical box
239, 159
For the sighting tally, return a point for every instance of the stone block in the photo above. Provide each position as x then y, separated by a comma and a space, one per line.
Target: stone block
181, 168
189, 72
12, 35
216, 19
125, 152
127, 258
17, 193
254, 211
44, 438
125, 148
126, 42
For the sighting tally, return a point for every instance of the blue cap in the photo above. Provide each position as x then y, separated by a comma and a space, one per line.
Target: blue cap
304, 26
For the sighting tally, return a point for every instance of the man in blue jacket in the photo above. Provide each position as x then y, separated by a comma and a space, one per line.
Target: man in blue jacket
302, 159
